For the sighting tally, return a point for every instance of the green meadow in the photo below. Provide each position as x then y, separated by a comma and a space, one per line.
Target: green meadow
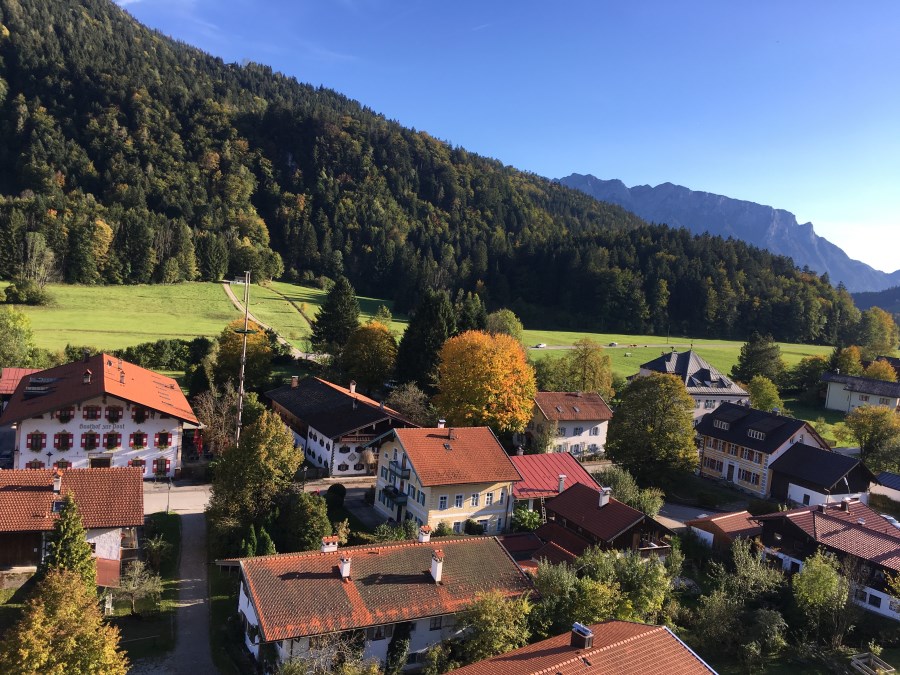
111, 317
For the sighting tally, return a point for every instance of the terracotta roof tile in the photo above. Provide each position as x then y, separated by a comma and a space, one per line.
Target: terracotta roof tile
568, 406
108, 572
874, 539
563, 538
10, 378
298, 594
554, 554
105, 498
64, 385
457, 456
540, 474
620, 648
580, 505
733, 525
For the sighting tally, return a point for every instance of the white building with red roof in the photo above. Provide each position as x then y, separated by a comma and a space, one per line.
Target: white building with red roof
96, 413
445, 475
110, 503
578, 421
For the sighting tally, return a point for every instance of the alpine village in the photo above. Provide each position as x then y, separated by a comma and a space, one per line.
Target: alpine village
288, 387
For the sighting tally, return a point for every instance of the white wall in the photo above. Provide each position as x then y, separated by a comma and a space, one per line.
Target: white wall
78, 426
889, 606
703, 535
245, 606
583, 441
890, 493
797, 492
325, 452
107, 541
838, 398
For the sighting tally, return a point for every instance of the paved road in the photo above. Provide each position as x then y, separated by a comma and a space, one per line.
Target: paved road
674, 515
191, 655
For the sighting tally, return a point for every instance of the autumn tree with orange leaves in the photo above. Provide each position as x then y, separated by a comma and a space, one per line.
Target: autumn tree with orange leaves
485, 380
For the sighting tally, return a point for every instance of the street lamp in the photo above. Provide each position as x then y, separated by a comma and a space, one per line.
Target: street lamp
304, 477
168, 495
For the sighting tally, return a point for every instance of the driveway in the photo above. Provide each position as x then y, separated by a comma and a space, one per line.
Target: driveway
191, 655
674, 516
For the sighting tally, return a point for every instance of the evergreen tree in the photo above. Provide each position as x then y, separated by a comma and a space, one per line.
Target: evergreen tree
264, 543
429, 328
338, 317
68, 548
249, 544
470, 312
760, 355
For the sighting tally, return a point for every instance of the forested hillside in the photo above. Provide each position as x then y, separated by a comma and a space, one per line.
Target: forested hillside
128, 158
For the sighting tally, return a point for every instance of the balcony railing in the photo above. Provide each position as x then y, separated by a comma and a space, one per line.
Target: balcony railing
398, 470
395, 495
360, 439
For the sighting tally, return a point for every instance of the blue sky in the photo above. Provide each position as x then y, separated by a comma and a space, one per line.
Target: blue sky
796, 105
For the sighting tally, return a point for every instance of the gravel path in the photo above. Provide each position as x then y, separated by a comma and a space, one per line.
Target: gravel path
296, 353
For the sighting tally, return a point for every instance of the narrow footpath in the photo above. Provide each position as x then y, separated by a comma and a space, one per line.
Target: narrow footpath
296, 353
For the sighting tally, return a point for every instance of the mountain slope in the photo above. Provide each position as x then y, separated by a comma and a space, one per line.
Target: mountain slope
131, 158
776, 230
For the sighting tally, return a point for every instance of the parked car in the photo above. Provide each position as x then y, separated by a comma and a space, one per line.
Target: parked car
613, 344
540, 345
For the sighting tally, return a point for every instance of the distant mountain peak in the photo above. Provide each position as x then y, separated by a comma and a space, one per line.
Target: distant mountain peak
776, 230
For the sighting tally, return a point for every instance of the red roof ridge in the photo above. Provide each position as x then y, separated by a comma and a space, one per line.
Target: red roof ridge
360, 397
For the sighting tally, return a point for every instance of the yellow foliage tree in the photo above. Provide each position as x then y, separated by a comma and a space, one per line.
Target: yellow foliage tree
881, 370
62, 632
485, 379
259, 354
369, 355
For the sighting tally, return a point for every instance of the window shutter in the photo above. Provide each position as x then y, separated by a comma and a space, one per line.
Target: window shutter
129, 462
83, 440
168, 463
156, 439
55, 440
131, 441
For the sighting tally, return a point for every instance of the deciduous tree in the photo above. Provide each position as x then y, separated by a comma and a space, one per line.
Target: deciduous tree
137, 583
566, 598
652, 432
259, 355
17, 345
61, 632
764, 394
496, 624
504, 321
337, 318
369, 355
412, 403
485, 380
881, 370
847, 360
823, 595
875, 428
879, 334
68, 548
302, 521
624, 488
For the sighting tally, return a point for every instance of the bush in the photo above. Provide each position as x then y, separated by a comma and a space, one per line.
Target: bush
442, 530
25, 292
760, 507
335, 496
472, 527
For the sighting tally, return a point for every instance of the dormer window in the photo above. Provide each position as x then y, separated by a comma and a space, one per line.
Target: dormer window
721, 424
758, 435
86, 377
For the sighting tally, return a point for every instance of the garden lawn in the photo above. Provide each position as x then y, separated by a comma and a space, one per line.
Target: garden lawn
223, 620
153, 632
812, 414
112, 317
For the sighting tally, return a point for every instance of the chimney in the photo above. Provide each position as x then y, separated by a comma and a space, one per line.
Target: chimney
520, 450
605, 492
87, 354
86, 376
120, 363
381, 405
329, 544
437, 565
823, 508
582, 637
425, 534
344, 567
121, 377
450, 434
562, 482
57, 481
441, 423
837, 371
845, 504
295, 380
353, 387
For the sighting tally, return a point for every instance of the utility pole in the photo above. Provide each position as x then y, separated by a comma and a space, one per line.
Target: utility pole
244, 333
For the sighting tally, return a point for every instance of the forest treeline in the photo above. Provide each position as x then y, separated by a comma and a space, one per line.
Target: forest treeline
128, 157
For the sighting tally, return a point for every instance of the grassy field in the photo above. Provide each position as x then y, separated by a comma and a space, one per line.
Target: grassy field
111, 317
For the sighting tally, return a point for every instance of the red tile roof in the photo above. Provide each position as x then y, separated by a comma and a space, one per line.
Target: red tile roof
540, 474
566, 406
563, 538
620, 648
732, 525
456, 456
10, 377
857, 531
299, 594
580, 506
64, 385
105, 497
553, 554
